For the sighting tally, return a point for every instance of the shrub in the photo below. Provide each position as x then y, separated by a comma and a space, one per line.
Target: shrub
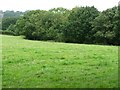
6, 32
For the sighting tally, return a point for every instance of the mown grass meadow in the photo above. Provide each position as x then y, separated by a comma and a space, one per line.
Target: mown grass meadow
44, 64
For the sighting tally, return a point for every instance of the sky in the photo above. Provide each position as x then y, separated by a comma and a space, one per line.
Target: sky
23, 5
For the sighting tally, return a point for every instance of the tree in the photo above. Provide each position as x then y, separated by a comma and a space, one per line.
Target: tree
104, 27
117, 26
10, 17
79, 27
6, 22
41, 25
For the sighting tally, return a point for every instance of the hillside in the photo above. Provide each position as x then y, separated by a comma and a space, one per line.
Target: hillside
28, 64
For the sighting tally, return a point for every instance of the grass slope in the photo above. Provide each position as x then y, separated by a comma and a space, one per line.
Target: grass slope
33, 64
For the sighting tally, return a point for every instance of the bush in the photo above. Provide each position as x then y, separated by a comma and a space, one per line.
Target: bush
6, 32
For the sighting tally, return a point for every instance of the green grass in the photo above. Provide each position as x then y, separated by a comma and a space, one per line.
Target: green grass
40, 64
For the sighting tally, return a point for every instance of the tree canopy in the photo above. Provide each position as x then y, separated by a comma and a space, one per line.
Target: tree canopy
79, 25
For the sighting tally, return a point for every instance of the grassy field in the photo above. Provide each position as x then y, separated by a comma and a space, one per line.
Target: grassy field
33, 64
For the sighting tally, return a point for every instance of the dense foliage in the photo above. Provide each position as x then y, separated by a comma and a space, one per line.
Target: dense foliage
79, 25
7, 32
9, 18
106, 27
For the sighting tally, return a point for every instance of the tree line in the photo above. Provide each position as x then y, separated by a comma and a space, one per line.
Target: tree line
79, 25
